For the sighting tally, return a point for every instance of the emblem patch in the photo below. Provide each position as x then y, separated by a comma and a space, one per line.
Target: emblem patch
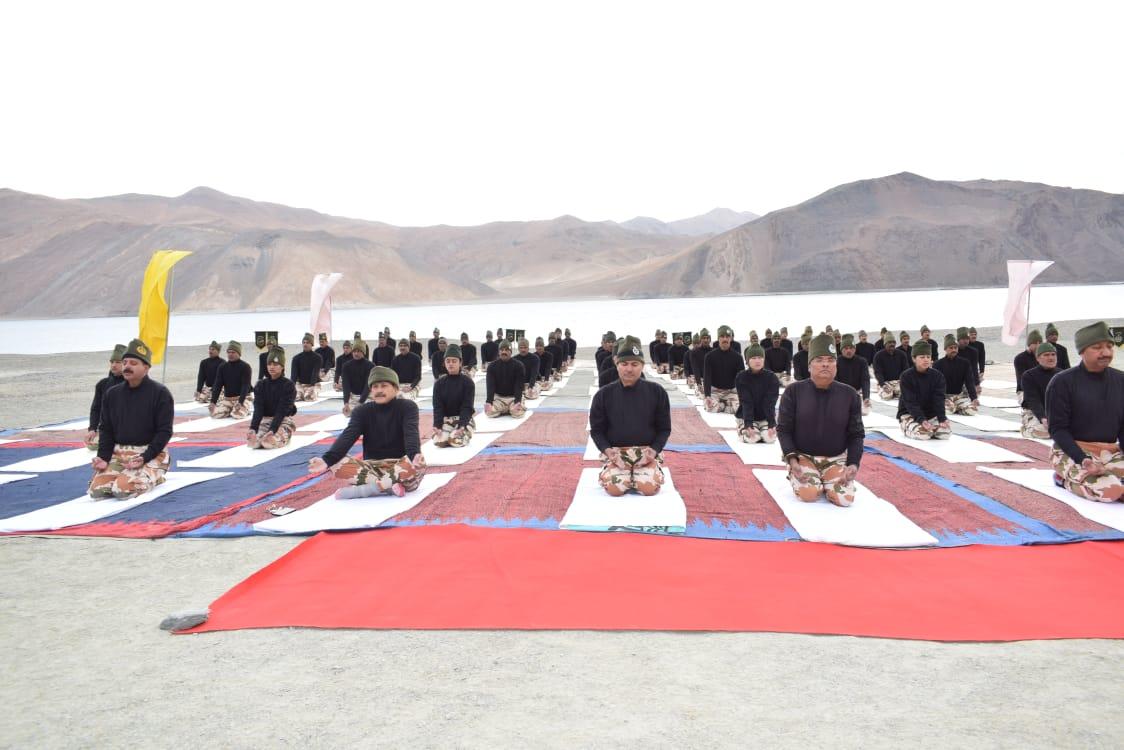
636, 351
831, 348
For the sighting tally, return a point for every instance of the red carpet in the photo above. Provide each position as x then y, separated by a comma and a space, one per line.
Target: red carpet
461, 577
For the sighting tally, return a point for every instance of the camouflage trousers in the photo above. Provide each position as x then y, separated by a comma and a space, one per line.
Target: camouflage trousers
327, 376
203, 396
229, 407
308, 392
92, 442
911, 428
785, 378
677, 372
1032, 428
122, 484
822, 475
502, 405
351, 403
646, 480
279, 439
725, 401
531, 392
960, 404
756, 432
545, 385
337, 385
890, 389
1104, 488
663, 368
409, 392
378, 476
449, 437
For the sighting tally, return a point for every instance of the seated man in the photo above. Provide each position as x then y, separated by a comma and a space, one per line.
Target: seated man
978, 347
305, 370
453, 396
889, 364
343, 359
113, 378
384, 352
720, 368
820, 428
558, 362
864, 348
676, 356
489, 351
757, 389
392, 459
662, 360
960, 380
1061, 352
630, 422
921, 411
327, 358
505, 385
697, 359
274, 404
1025, 360
778, 360
608, 345
135, 427
415, 345
1085, 407
355, 377
208, 368
852, 370
408, 366
431, 345
233, 382
965, 351
1035, 382
800, 360
437, 359
904, 345
531, 368
468, 356
570, 347
546, 366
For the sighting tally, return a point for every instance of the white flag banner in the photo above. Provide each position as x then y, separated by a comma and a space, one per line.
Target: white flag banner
320, 319
1020, 274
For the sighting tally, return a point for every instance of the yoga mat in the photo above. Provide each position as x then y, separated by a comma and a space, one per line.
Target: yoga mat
1042, 481
85, 509
958, 449
328, 424
7, 478
189, 406
206, 424
875, 396
484, 423
435, 456
591, 452
61, 461
536, 402
544, 580
998, 402
718, 421
9, 441
332, 514
758, 454
307, 404
595, 510
875, 420
999, 384
593, 390
244, 457
696, 401
77, 424
869, 522
985, 423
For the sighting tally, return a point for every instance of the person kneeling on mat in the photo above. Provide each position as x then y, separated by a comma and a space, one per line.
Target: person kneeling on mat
274, 405
392, 460
453, 396
630, 422
921, 408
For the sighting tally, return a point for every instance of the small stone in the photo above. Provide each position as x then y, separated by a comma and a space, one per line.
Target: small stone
186, 619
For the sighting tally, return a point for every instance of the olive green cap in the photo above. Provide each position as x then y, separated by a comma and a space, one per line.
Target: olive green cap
346, 344
323, 336
630, 350
888, 339
232, 344
950, 340
696, 339
921, 349
137, 349
725, 331
359, 344
822, 346
505, 345
308, 337
925, 329
380, 374
704, 332
904, 335
276, 356
118, 353
453, 350
972, 329
1045, 348
1034, 337
848, 340
1091, 334
214, 345
961, 333
539, 341
1051, 329
862, 333
754, 350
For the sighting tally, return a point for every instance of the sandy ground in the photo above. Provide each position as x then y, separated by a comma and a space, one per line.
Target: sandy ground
85, 664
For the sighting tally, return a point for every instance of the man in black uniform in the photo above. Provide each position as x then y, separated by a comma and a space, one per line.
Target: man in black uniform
570, 347
786, 342
274, 403
408, 367
778, 360
977, 347
355, 378
1025, 360
864, 348
661, 360
305, 371
964, 350
852, 370
134, 430
431, 345
1035, 382
959, 375
608, 343
800, 360
557, 356
415, 345
630, 422
697, 357
208, 368
889, 364
468, 356
437, 358
453, 410
269, 344
392, 459
489, 350
820, 429
757, 388
921, 411
113, 378
504, 382
676, 357
384, 352
1062, 352
531, 366
327, 358
720, 368
546, 366
233, 382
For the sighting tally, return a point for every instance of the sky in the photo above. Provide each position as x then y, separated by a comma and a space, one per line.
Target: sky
425, 113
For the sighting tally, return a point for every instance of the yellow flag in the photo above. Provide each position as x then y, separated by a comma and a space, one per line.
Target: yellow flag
153, 312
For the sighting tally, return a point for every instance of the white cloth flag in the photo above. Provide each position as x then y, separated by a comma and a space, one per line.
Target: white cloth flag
320, 318
1020, 273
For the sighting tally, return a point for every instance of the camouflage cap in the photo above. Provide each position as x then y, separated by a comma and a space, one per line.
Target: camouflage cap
137, 349
380, 374
276, 356
629, 350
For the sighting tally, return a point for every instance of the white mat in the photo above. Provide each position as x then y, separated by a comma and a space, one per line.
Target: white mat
244, 457
869, 522
536, 403
593, 389
1042, 481
206, 424
986, 423
958, 449
595, 510
999, 384
696, 401
85, 509
328, 424
685, 388
8, 478
484, 423
61, 461
190, 406
998, 402
308, 404
875, 396
759, 454
8, 441
435, 456
591, 451
77, 424
332, 514
718, 421
875, 420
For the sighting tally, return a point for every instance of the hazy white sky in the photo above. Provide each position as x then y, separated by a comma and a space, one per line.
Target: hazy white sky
467, 112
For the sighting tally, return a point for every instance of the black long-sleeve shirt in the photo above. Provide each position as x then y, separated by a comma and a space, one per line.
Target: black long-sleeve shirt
276, 399
531, 366
889, 365
757, 395
489, 352
468, 356
970, 354
1063, 357
431, 346
102, 386
1024, 360
677, 355
234, 379
559, 356
720, 369
697, 358
505, 378
305, 368
800, 365
546, 364
959, 375
787, 344
208, 369
778, 360
866, 350
819, 422
354, 379
923, 395
980, 350
437, 364
383, 356
1085, 406
136, 416
621, 417
599, 357
409, 369
652, 350
388, 430
607, 374
416, 348
571, 347
662, 353
453, 396
327, 357
853, 371
1035, 382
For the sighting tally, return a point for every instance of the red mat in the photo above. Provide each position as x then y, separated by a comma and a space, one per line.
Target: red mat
461, 577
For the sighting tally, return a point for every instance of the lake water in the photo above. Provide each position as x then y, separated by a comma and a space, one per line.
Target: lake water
941, 310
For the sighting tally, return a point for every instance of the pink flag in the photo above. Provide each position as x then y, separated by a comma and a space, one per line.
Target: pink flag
320, 320
1020, 273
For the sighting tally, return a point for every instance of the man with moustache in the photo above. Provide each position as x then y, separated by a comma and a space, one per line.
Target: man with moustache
1025, 360
408, 367
356, 378
233, 382
778, 360
720, 370
341, 361
960, 375
489, 350
1035, 382
864, 348
305, 370
1061, 352
208, 369
852, 370
889, 364
468, 356
676, 356
431, 345
505, 383
327, 357
531, 366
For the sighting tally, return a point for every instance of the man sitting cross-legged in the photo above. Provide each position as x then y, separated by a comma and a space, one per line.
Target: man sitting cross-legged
921, 408
757, 388
453, 396
274, 405
504, 382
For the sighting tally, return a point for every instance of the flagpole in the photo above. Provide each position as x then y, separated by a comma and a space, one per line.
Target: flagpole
1028, 288
168, 326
